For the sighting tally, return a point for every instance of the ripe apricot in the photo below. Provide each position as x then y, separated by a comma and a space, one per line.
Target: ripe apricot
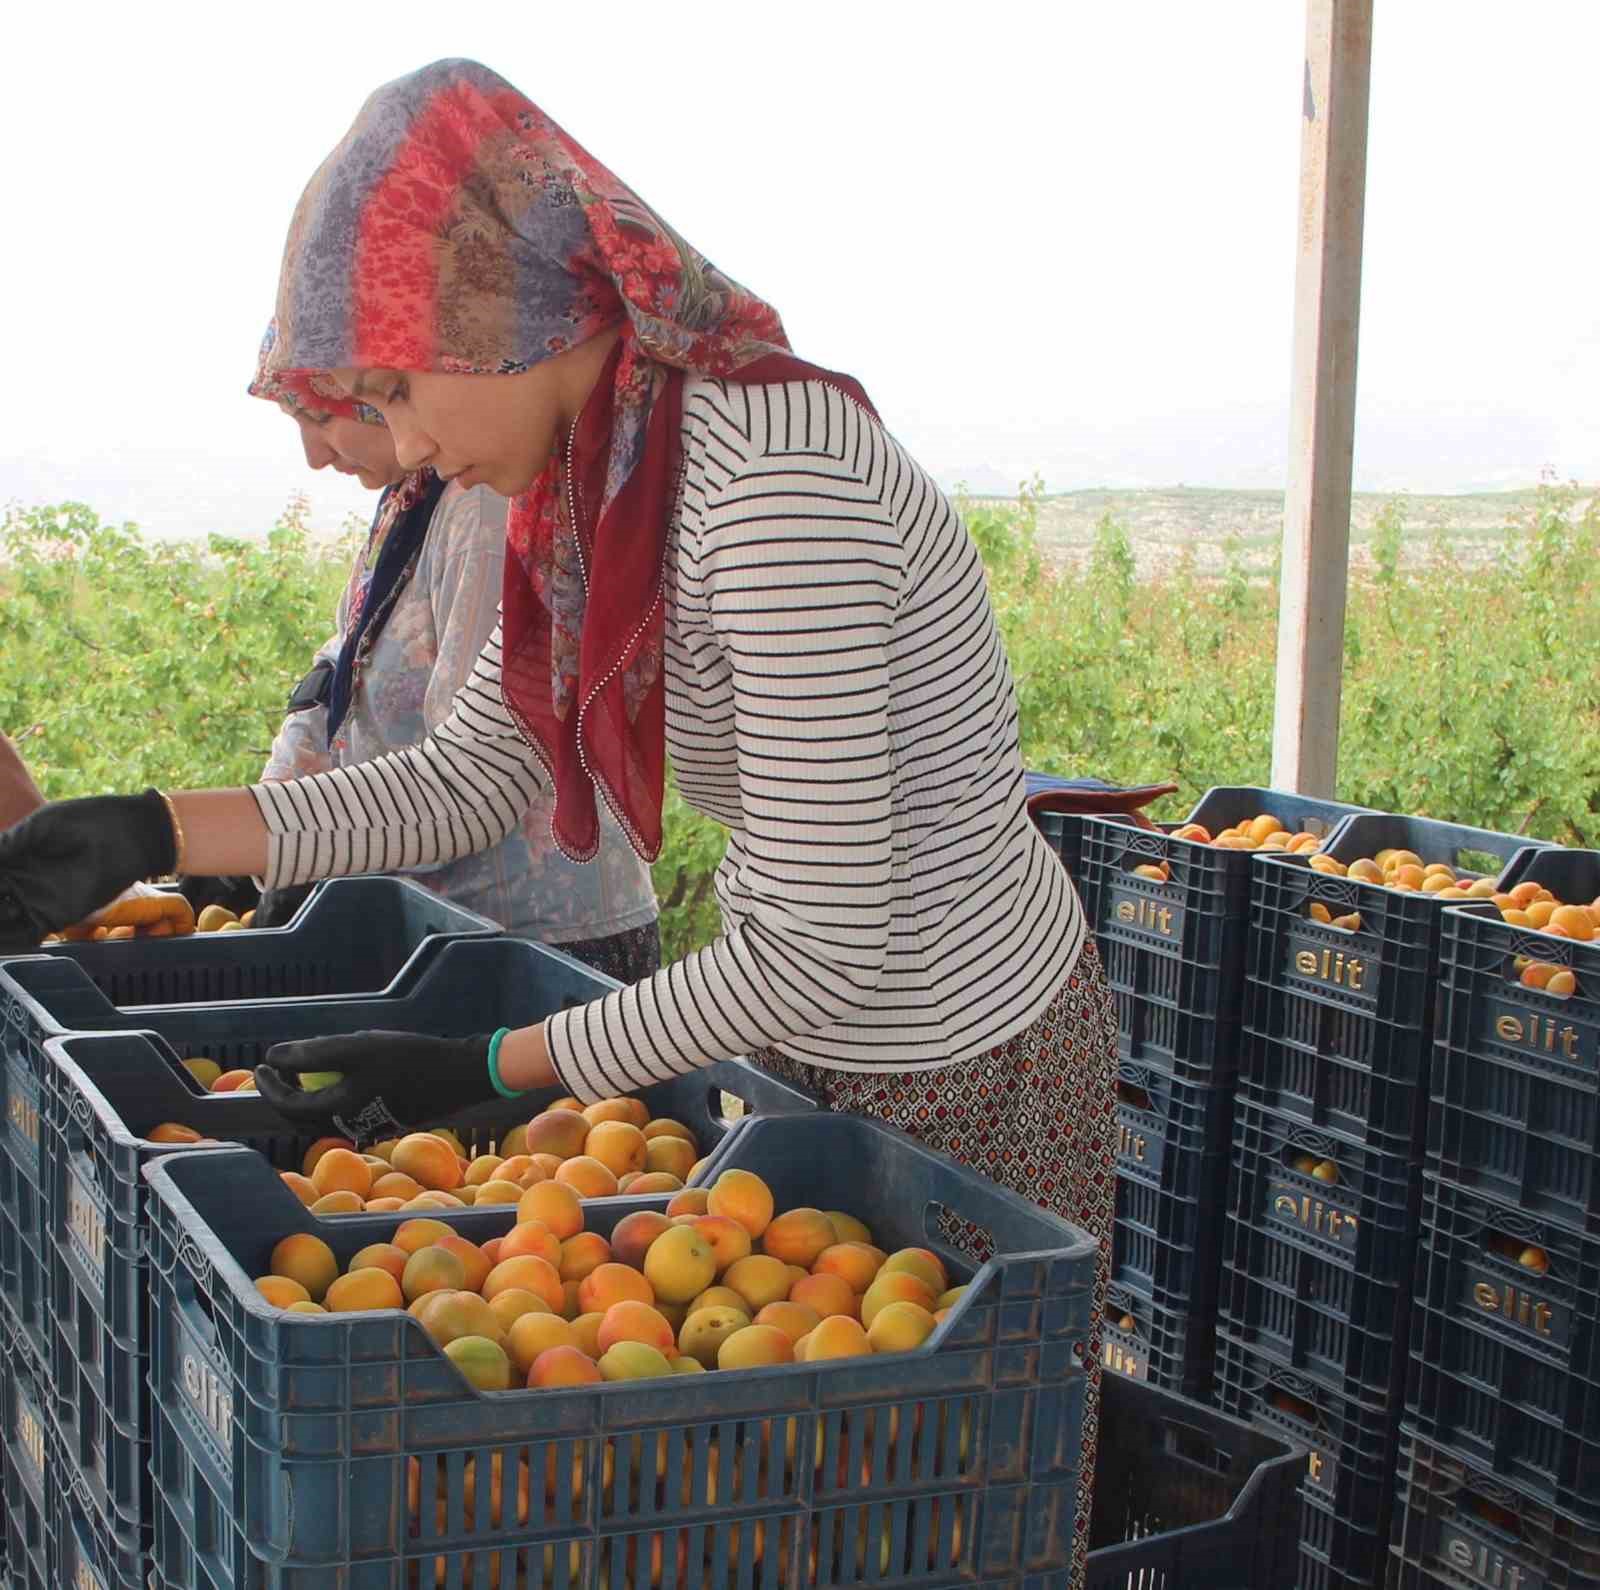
670, 1155
838, 1336
1540, 913
571, 1308
339, 1203
413, 1234
729, 1240
754, 1346
498, 1192
307, 1259
618, 1145
177, 1132
690, 1201
1362, 870
846, 1228
319, 1148
445, 1315
825, 1295
927, 1266
900, 1328
482, 1169
665, 1126
1537, 973
305, 1307
1439, 869
280, 1291
384, 1206
482, 1363
719, 1297
1318, 912
531, 1274
742, 1195
510, 1305
301, 1186
632, 1321
556, 1205
586, 1333
521, 1169
1575, 919
341, 1170
587, 1177
612, 1283
897, 1286
1562, 983
794, 1319
380, 1256
680, 1264
1435, 883
632, 1235
533, 1334
558, 1132
798, 1236
363, 1289
531, 1236
633, 1361
1517, 918
238, 1080
580, 1254
759, 1280
631, 1112
428, 1160
652, 1181
563, 1366
473, 1260
394, 1184
542, 1168
432, 1269
1411, 877
853, 1262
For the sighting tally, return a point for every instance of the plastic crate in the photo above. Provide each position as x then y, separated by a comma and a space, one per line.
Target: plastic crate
1458, 1526
286, 1448
1186, 1497
1320, 1315
1516, 1075
1357, 1004
105, 1092
91, 1553
27, 1470
1366, 1220
1164, 1346
1479, 1394
1347, 1484
1169, 1130
1174, 952
1170, 1247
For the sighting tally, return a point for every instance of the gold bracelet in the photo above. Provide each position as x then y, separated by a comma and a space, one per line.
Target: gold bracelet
177, 834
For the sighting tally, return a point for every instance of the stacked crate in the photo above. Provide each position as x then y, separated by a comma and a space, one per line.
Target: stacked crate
1324, 1203
1171, 917
1502, 1419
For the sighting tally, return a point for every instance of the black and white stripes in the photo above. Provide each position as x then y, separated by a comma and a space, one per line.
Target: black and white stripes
837, 695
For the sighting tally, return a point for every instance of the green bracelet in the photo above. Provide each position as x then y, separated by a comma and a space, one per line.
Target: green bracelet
494, 1067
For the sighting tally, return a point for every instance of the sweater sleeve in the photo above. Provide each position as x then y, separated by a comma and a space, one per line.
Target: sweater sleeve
300, 747
800, 571
459, 791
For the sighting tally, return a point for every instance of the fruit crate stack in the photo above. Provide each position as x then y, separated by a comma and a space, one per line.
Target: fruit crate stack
1169, 908
1501, 1442
1324, 1201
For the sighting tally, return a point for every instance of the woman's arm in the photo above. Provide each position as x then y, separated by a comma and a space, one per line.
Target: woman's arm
19, 795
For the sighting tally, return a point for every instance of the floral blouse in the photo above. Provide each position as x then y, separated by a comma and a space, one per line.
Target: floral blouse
424, 654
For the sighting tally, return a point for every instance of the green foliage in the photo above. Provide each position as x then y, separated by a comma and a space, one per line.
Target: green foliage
1469, 690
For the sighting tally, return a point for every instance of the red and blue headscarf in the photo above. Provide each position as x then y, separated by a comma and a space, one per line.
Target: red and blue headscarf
456, 228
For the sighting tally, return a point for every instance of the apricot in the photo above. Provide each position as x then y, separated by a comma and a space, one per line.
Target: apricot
1575, 919
900, 1328
949, 1299
719, 1297
473, 1260
680, 1366
798, 1236
235, 1081
319, 1148
364, 1289
695, 1170
729, 1241
543, 1168
582, 1254
670, 1156
1534, 1258
301, 1186
498, 1192
556, 1205
564, 1366
825, 1294
690, 1201
794, 1319
1562, 983
446, 1315
633, 1360
612, 1283
1198, 832
1540, 913
632, 1235
1326, 1171
632, 1321
759, 1280
1412, 877
853, 1262
413, 1234
742, 1195
618, 1145
1483, 889
510, 1305
896, 1287
482, 1363
586, 1333
530, 1274
513, 1143
1517, 918
846, 1228
432, 1269
177, 1132
753, 1346
1318, 912
533, 1334
680, 1264
380, 1256
1536, 974
557, 1132
665, 1126
394, 1184
531, 1237
340, 1170
571, 1308
587, 1177
1364, 871
384, 1206
521, 1169
280, 1291
1327, 865
305, 1306
927, 1266
307, 1259
631, 1112
1439, 869
428, 1160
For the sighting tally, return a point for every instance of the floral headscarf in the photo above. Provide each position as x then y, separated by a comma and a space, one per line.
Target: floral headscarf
457, 228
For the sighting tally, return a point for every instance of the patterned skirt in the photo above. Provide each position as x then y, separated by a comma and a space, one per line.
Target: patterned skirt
629, 956
1037, 1114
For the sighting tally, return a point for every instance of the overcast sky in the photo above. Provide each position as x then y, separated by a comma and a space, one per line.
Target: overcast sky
1055, 238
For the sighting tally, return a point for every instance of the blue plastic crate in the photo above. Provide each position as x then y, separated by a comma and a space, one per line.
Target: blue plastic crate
1174, 952
27, 1469
1165, 1347
105, 1092
1515, 1093
283, 1443
1187, 1497
1456, 1525
1347, 1484
1352, 1009
92, 1553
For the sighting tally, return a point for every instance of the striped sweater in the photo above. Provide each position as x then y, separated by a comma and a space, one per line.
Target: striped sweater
838, 697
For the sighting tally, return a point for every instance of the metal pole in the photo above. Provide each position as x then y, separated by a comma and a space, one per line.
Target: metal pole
1327, 311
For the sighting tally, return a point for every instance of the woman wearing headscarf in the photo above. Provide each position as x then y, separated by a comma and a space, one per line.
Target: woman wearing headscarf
717, 552
419, 605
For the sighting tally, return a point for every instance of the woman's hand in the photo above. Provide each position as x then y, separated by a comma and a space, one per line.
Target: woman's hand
382, 1084
68, 859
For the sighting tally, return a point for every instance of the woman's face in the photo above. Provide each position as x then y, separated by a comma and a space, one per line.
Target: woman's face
491, 430
352, 448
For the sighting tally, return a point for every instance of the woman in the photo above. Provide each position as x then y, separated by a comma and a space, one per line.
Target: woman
419, 605
717, 551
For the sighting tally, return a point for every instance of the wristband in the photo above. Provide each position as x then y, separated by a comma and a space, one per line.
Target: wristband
494, 1067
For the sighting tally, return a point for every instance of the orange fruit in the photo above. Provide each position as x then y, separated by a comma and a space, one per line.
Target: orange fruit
759, 1280
613, 1283
394, 1184
380, 1256
680, 1264
618, 1145
531, 1274
582, 1254
928, 1267
473, 1260
825, 1295
754, 1346
729, 1241
483, 1363
838, 1336
852, 1262
631, 1112
530, 1236
342, 1170
742, 1195
533, 1334
586, 1333
428, 1160
895, 1287
556, 1205
413, 1234
447, 1315
632, 1235
558, 1132
432, 1269
691, 1201
798, 1236
308, 1260
588, 1177
301, 1186
563, 1366
793, 1319
633, 1321
669, 1155
363, 1289
280, 1291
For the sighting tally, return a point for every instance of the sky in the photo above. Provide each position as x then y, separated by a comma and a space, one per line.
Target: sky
1048, 239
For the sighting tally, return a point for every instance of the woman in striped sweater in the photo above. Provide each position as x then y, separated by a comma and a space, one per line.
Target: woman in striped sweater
716, 552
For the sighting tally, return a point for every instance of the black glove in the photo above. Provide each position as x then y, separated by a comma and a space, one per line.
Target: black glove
393, 1082
279, 905
69, 858
237, 894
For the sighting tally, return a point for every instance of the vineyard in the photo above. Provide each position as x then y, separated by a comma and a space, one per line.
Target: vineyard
1470, 691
